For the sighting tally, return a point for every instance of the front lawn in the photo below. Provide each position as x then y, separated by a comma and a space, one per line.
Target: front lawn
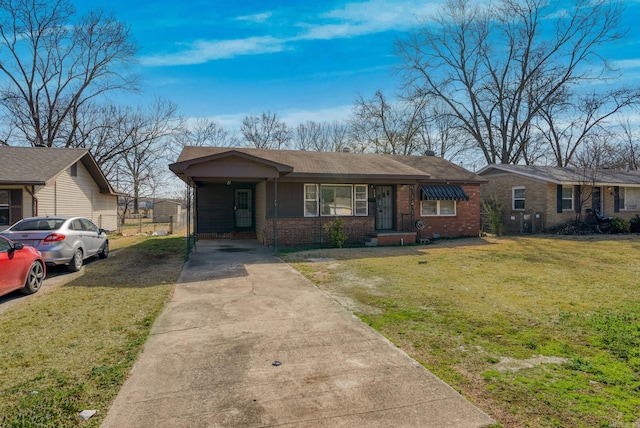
537, 331
71, 349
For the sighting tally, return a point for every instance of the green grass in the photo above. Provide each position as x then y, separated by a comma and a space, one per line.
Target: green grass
459, 308
71, 349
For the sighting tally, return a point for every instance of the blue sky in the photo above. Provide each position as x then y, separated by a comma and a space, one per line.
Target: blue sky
300, 59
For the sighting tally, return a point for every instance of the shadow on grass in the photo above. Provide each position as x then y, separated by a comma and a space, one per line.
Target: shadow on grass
352, 253
151, 262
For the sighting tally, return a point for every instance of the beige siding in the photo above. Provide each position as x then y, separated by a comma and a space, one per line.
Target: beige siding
78, 196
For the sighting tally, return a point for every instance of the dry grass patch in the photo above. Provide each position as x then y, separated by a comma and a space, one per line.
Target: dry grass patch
71, 349
467, 309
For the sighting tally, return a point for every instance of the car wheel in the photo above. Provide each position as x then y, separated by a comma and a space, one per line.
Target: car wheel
104, 251
76, 262
34, 278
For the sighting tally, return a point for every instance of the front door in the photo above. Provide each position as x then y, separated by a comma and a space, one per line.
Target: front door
384, 207
243, 209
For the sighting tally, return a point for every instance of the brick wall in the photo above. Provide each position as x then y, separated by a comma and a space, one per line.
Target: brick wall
310, 230
540, 202
466, 222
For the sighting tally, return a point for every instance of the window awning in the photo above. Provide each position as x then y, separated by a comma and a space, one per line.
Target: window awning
443, 193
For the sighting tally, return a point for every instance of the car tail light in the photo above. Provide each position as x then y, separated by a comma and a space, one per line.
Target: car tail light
54, 237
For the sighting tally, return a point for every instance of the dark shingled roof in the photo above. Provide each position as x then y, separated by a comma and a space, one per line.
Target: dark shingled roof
440, 169
339, 164
40, 165
567, 175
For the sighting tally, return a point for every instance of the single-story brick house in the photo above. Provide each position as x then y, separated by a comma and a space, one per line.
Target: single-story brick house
42, 181
286, 197
534, 198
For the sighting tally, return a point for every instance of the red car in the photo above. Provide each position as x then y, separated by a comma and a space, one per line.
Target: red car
21, 267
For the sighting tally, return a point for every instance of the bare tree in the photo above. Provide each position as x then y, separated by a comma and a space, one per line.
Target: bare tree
205, 132
99, 130
337, 136
322, 136
439, 134
388, 127
497, 66
148, 135
309, 136
626, 154
54, 63
567, 125
265, 131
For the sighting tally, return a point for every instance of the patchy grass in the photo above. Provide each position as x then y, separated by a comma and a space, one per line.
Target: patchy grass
72, 349
477, 312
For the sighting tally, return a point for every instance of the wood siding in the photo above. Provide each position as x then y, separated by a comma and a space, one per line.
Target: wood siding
290, 200
77, 196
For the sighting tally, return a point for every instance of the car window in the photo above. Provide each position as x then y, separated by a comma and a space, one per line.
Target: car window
38, 224
88, 225
76, 225
4, 245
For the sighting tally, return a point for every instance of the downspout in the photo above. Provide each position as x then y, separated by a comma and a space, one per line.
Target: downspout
275, 215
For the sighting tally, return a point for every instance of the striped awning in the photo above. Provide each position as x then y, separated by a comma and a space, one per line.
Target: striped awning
443, 193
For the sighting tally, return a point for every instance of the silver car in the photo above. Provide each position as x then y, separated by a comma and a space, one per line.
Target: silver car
61, 240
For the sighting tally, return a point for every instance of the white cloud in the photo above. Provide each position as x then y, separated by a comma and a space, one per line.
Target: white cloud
292, 118
329, 114
258, 18
351, 20
372, 16
202, 51
626, 64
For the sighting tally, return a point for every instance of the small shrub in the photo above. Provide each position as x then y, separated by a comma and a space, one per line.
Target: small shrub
619, 225
335, 230
634, 224
493, 213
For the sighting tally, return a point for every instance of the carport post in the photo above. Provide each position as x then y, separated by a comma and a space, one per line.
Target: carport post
275, 215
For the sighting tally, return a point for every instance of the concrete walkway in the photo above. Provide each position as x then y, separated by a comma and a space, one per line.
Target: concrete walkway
247, 341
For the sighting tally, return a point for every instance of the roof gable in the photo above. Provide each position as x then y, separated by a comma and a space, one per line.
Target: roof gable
41, 165
294, 164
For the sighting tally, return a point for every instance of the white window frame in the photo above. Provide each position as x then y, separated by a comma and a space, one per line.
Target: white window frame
514, 199
626, 205
359, 200
364, 201
571, 188
312, 201
438, 212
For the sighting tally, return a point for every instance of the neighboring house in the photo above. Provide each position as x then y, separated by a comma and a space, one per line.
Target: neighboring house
42, 181
285, 197
534, 198
165, 211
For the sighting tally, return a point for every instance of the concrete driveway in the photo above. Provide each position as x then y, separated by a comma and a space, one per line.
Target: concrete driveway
247, 341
